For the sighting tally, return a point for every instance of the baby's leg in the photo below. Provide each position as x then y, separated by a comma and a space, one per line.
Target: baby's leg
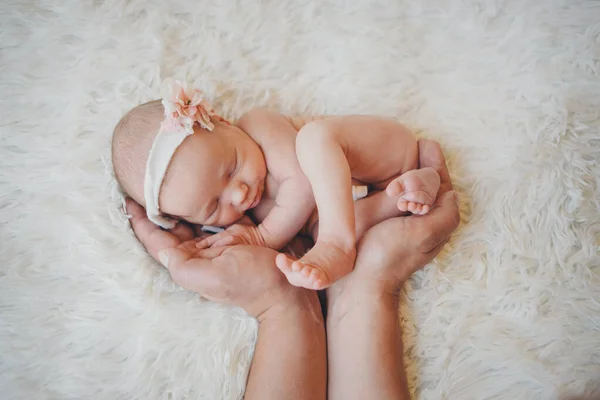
368, 212
415, 189
325, 165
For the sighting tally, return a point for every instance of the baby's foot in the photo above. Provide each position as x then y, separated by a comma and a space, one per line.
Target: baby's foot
416, 190
324, 264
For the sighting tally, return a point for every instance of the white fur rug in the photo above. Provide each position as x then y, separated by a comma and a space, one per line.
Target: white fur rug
511, 88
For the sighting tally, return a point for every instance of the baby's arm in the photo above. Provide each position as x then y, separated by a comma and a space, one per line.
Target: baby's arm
293, 205
294, 200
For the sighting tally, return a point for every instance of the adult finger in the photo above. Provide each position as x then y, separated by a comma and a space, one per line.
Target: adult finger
191, 273
439, 223
151, 236
431, 155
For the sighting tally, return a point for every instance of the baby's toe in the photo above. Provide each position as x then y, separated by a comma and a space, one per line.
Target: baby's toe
314, 275
318, 280
306, 271
297, 266
402, 205
415, 207
284, 263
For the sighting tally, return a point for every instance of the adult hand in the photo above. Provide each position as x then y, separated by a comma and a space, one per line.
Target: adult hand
238, 233
244, 276
391, 251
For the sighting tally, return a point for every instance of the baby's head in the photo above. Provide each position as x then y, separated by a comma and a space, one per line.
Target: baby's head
210, 177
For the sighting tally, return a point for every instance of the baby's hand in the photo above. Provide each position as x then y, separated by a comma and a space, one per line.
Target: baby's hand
235, 234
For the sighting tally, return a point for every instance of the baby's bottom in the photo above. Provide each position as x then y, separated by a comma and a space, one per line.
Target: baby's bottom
334, 252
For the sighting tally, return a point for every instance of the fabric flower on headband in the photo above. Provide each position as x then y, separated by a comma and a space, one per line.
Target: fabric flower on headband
184, 107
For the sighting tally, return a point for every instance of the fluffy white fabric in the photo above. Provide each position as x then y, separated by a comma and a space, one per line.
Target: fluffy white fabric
511, 88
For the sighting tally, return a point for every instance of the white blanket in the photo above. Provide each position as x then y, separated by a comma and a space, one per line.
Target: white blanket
511, 88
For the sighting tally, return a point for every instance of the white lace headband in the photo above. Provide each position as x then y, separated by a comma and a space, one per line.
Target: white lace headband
183, 109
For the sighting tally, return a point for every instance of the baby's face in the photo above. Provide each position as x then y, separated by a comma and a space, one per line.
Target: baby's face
214, 177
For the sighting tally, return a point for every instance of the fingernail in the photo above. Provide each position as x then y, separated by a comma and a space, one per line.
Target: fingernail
164, 258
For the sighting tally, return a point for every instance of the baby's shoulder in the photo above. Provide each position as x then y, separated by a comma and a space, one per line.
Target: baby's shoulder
259, 119
269, 129
267, 121
298, 121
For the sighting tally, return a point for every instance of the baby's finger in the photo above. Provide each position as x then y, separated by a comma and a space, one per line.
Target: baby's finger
209, 241
226, 241
152, 237
202, 244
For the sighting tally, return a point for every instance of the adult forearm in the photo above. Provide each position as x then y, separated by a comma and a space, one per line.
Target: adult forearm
290, 356
365, 346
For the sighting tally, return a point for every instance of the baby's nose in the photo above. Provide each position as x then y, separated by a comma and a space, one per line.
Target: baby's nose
239, 193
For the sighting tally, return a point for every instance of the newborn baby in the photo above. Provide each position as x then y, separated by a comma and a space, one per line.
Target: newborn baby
182, 161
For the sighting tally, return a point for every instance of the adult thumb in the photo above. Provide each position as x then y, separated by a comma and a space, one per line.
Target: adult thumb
191, 273
440, 222
174, 257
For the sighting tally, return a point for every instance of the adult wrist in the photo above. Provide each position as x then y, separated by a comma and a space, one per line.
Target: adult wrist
359, 298
377, 281
293, 302
383, 274
365, 287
